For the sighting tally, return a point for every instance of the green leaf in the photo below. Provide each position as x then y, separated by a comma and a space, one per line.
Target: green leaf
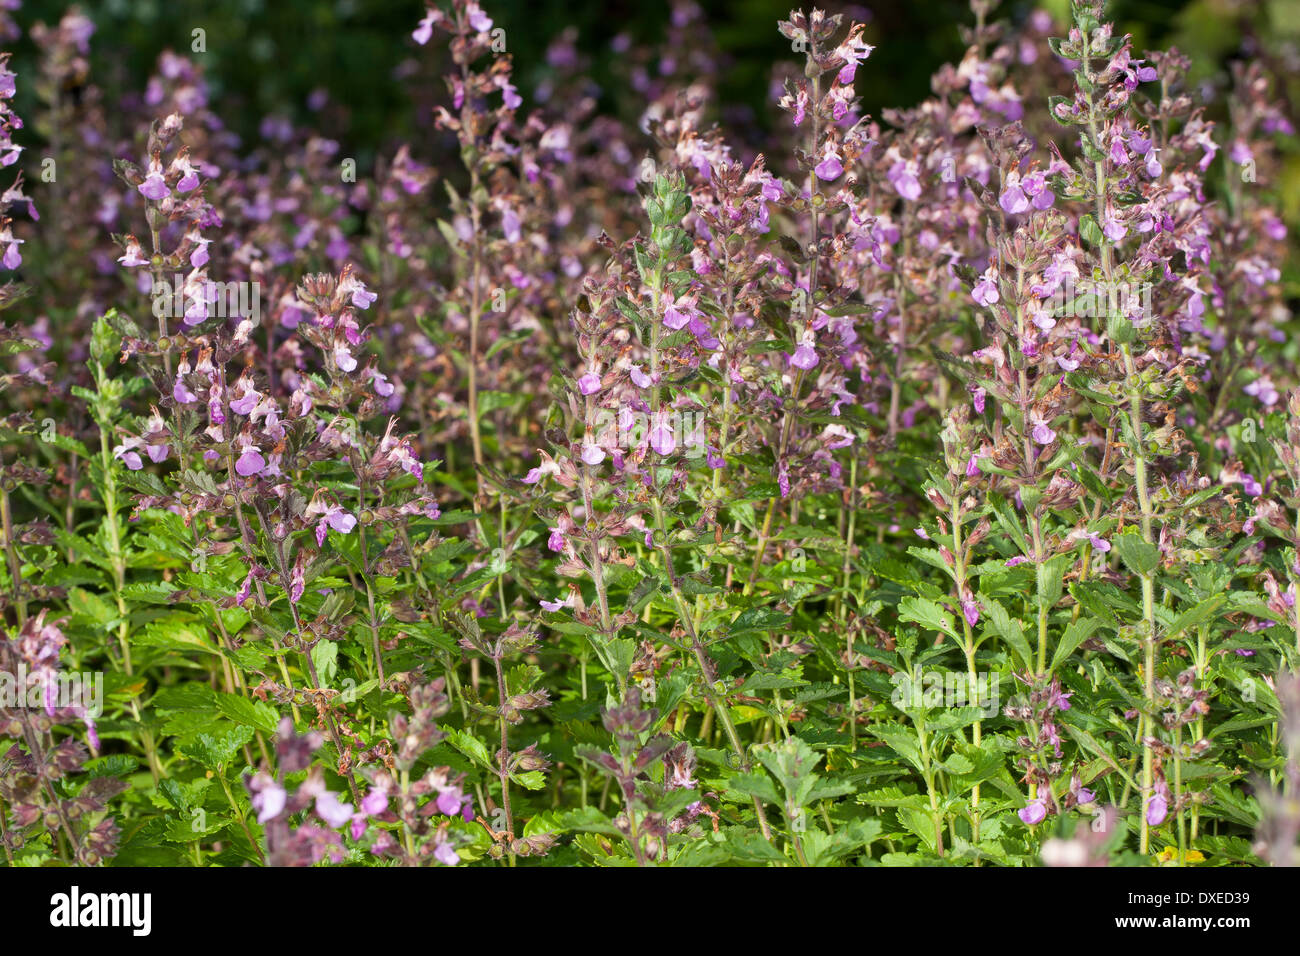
928, 614
1074, 635
902, 741
1089, 231
1010, 630
470, 746
1142, 558
253, 713
755, 785
759, 619
216, 749
1203, 611
325, 655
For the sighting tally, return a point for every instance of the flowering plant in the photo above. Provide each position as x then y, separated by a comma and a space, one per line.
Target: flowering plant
600, 489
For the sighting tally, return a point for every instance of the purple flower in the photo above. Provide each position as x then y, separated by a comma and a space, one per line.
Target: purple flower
639, 378
134, 255
341, 521
479, 20
362, 297
511, 224
589, 383
556, 541
423, 33
1013, 199
199, 257
986, 290
676, 318
1034, 812
443, 852
805, 356
1263, 389
250, 462
661, 437
154, 187
449, 801
830, 167
333, 812
245, 403
344, 359
554, 606
903, 176
1157, 809
269, 801
130, 459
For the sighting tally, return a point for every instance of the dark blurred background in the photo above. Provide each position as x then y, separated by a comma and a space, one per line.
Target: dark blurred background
267, 56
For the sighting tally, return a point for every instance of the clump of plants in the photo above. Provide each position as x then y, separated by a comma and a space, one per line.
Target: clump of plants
595, 490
